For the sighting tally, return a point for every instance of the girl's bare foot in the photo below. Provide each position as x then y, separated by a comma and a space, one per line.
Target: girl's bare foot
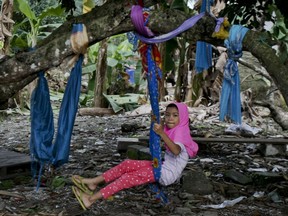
91, 183
83, 198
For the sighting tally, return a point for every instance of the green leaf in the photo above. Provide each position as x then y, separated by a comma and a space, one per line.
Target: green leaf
20, 43
137, 73
178, 4
58, 182
83, 101
112, 62
91, 82
89, 3
125, 46
25, 8
1, 44
50, 25
56, 96
168, 61
89, 69
93, 52
52, 11
111, 49
114, 105
127, 53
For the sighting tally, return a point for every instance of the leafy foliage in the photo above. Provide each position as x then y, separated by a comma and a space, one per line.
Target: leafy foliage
279, 32
251, 13
32, 28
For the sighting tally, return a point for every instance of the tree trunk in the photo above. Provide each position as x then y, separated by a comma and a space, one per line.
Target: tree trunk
96, 111
113, 18
181, 70
190, 75
161, 85
100, 74
6, 27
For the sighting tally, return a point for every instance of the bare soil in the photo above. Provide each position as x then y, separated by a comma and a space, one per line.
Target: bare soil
94, 150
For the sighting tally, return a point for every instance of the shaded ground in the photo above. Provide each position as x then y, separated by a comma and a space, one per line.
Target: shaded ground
94, 150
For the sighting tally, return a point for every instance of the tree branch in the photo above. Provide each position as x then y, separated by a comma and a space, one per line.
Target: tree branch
113, 18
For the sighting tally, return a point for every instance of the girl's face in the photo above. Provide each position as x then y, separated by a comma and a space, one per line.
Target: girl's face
171, 118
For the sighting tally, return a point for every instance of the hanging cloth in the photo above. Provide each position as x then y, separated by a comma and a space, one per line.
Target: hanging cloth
203, 50
42, 126
67, 114
151, 62
230, 101
42, 150
154, 142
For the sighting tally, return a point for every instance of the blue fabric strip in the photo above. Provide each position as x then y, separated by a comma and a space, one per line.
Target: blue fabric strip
230, 101
67, 114
77, 28
203, 56
155, 148
203, 50
154, 139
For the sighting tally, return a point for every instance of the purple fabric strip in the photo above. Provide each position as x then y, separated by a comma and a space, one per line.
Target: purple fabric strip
219, 21
138, 21
165, 37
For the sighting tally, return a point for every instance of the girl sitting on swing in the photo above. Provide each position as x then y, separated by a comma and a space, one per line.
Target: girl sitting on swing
130, 173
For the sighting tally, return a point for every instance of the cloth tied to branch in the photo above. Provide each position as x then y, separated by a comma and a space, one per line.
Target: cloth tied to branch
42, 150
203, 59
230, 101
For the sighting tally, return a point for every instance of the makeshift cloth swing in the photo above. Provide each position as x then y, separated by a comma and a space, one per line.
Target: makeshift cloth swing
42, 150
152, 66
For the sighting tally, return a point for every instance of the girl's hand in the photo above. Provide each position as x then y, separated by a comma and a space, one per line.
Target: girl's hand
174, 148
158, 129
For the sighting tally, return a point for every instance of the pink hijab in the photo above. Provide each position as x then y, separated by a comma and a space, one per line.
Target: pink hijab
181, 133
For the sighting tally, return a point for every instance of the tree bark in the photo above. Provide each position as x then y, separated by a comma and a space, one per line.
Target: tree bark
100, 74
181, 70
95, 111
113, 18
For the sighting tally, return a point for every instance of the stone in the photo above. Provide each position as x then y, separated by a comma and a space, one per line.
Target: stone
130, 127
144, 154
123, 143
138, 152
133, 151
237, 177
208, 213
273, 149
264, 178
183, 211
195, 182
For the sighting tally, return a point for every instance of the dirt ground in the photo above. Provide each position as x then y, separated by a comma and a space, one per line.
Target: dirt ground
94, 150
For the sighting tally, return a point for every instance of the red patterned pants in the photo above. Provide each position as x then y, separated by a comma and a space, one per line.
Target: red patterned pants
129, 173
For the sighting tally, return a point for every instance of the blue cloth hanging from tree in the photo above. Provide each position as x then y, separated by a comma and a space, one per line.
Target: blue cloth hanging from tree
42, 150
230, 101
203, 50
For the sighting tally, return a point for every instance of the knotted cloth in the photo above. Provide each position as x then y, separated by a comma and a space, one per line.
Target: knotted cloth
230, 102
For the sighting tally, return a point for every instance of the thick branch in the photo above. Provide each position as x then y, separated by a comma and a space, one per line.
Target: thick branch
113, 18
268, 58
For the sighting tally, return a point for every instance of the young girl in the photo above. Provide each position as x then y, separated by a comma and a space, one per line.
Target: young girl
179, 147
